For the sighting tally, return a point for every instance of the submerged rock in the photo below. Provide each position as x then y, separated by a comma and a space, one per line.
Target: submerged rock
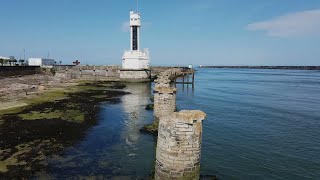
149, 107
151, 128
208, 177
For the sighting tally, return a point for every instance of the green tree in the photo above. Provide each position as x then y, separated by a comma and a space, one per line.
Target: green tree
21, 61
11, 60
1, 62
5, 61
14, 62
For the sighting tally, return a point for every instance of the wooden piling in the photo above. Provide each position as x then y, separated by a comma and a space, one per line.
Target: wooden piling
188, 78
193, 77
183, 78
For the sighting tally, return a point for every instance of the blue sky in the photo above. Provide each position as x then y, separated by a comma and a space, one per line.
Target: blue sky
177, 32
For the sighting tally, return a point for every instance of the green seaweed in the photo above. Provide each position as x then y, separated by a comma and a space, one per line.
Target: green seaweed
68, 115
62, 114
151, 128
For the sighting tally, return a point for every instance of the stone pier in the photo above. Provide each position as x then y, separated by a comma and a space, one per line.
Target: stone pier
164, 94
179, 145
179, 133
164, 101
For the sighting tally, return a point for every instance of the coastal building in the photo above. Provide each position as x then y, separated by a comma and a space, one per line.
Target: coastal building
41, 62
4, 58
135, 58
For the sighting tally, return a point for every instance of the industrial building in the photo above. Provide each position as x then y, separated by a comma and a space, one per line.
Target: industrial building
4, 58
41, 62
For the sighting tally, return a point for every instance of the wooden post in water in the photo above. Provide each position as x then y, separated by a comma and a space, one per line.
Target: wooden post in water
187, 78
193, 80
183, 78
192, 77
188, 81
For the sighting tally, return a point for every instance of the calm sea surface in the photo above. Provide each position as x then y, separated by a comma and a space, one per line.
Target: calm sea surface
261, 124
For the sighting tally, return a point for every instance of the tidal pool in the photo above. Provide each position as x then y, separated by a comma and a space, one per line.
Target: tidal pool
114, 147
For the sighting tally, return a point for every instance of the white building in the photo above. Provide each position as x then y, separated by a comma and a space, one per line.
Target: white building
4, 58
41, 62
135, 58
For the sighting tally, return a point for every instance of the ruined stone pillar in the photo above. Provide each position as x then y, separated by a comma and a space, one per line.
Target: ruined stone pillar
179, 146
164, 101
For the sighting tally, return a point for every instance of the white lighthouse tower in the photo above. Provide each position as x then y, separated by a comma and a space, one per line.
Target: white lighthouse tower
135, 58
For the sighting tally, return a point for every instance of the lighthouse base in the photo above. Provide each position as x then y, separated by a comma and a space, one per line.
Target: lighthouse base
135, 59
135, 75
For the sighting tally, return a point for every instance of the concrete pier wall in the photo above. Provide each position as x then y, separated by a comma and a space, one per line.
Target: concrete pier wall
179, 145
104, 73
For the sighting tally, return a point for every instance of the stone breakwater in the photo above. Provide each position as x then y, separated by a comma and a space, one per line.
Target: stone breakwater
106, 73
166, 77
164, 93
179, 133
268, 67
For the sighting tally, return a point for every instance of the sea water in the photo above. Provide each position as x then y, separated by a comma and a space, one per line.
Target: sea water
261, 124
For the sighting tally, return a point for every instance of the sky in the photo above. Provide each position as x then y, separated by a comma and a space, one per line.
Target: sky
176, 32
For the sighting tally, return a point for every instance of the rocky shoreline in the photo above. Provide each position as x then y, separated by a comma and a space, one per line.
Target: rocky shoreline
31, 134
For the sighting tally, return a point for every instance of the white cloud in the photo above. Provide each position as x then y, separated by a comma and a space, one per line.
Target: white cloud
125, 26
299, 24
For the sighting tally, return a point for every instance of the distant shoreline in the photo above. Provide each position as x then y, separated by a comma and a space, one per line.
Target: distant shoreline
267, 67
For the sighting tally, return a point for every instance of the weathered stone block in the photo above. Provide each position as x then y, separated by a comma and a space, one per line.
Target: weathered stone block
182, 145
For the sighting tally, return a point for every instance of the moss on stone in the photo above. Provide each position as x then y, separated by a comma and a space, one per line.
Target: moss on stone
74, 116
48, 96
36, 115
192, 175
151, 128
